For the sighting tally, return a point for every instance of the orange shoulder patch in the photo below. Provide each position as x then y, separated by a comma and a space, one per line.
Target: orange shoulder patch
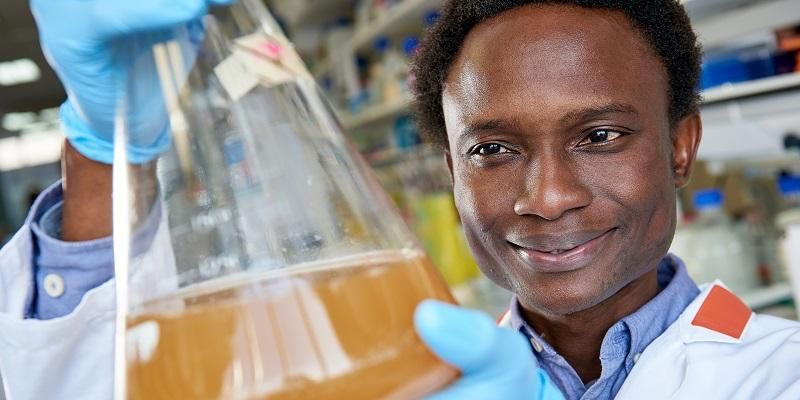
723, 312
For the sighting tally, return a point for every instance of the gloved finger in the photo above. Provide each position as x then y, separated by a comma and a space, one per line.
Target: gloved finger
101, 20
471, 341
124, 17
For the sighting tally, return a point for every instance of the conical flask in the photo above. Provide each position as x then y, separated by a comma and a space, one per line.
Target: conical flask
256, 258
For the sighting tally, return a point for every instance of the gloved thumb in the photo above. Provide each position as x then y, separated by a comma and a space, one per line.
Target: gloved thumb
470, 341
496, 363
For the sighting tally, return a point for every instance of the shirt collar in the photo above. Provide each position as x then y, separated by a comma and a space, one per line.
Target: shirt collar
632, 334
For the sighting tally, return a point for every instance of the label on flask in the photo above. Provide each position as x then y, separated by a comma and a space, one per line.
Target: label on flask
235, 77
272, 58
259, 59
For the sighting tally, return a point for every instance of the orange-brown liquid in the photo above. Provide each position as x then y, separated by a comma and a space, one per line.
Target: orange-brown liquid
340, 331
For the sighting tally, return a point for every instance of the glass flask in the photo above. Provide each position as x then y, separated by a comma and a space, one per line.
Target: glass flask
257, 257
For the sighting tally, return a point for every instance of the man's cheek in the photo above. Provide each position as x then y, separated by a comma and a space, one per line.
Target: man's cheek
481, 203
469, 208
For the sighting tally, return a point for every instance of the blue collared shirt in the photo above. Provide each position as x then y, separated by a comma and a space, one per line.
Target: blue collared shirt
76, 267
624, 341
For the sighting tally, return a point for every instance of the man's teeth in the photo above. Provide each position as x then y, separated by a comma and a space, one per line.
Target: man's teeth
556, 252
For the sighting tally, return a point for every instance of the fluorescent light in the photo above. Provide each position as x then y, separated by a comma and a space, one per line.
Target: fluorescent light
18, 72
18, 121
30, 150
30, 121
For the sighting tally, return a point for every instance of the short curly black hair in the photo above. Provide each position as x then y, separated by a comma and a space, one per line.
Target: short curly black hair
664, 24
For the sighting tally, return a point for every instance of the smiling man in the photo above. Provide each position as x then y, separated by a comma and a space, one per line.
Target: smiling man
568, 126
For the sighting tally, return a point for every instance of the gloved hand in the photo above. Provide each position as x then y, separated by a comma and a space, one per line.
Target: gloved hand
93, 45
496, 363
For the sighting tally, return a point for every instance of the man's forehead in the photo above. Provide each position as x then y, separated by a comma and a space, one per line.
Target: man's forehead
531, 57
549, 42
467, 89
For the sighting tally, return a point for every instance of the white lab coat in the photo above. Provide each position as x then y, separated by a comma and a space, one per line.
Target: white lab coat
694, 362
64, 358
72, 357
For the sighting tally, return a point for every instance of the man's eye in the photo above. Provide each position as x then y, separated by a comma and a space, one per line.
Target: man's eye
600, 136
489, 149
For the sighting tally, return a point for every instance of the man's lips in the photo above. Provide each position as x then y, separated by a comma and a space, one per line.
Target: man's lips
562, 252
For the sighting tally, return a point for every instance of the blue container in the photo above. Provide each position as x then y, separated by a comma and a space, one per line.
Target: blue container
406, 135
708, 199
722, 70
789, 185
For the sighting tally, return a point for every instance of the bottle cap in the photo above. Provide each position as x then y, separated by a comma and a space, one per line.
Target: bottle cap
708, 199
381, 44
410, 45
432, 17
789, 185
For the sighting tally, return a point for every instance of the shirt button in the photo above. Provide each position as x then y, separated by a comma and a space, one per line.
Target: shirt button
636, 357
536, 345
54, 285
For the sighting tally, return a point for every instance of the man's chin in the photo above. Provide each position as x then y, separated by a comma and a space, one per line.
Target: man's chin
562, 301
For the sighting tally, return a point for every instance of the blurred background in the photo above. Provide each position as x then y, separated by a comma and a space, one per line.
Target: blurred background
734, 214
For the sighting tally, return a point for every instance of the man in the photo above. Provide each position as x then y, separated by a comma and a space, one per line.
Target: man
567, 127
565, 151
57, 297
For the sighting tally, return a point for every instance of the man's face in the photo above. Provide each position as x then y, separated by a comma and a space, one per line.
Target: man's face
562, 155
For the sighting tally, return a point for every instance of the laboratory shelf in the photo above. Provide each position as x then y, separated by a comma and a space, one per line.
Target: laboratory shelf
729, 92
724, 93
732, 25
749, 121
406, 18
376, 114
307, 12
752, 88
768, 296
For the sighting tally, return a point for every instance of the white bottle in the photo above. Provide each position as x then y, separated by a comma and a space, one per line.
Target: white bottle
396, 70
788, 221
716, 249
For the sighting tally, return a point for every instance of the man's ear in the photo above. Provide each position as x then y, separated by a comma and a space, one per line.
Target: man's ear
685, 142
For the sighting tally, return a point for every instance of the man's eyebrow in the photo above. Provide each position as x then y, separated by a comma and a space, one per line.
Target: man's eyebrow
577, 116
486, 126
572, 117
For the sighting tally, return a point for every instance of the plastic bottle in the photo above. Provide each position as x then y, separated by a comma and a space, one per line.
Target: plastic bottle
410, 46
406, 135
396, 72
377, 70
717, 249
789, 187
431, 17
788, 222
336, 81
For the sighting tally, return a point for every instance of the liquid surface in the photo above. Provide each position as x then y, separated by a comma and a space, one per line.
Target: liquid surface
342, 331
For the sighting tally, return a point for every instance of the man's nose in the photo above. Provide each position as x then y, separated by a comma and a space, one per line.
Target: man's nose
552, 188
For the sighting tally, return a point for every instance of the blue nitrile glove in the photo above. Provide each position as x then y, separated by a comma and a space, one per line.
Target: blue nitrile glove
496, 363
92, 45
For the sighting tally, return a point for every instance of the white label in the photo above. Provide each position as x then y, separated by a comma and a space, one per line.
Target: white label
235, 77
266, 70
272, 58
